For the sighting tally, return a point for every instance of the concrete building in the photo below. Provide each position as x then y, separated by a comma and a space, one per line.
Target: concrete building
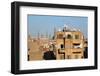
70, 44
37, 47
67, 43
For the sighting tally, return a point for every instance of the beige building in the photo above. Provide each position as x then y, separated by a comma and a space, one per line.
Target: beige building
37, 47
67, 43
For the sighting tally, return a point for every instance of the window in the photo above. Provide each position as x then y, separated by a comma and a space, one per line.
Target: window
76, 45
77, 52
86, 52
69, 36
28, 57
60, 36
76, 36
28, 49
62, 46
86, 42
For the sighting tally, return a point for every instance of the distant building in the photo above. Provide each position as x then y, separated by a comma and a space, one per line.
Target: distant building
37, 46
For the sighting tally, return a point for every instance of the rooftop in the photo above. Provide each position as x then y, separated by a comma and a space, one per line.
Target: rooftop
67, 28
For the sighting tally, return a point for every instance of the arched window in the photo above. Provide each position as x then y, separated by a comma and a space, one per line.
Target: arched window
69, 36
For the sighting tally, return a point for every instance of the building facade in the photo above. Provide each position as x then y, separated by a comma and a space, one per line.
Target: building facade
69, 44
65, 44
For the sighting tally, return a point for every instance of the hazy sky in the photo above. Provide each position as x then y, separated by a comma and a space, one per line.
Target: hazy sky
45, 24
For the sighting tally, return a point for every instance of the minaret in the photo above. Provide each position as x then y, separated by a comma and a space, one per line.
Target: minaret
41, 35
46, 34
49, 36
54, 32
38, 36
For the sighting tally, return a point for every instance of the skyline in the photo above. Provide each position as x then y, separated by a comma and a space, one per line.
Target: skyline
45, 24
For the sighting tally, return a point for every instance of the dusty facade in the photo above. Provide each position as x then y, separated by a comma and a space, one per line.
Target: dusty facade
67, 44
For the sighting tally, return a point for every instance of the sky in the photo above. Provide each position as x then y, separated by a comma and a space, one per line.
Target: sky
45, 24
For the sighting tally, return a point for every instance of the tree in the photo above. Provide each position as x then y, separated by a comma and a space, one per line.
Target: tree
49, 55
